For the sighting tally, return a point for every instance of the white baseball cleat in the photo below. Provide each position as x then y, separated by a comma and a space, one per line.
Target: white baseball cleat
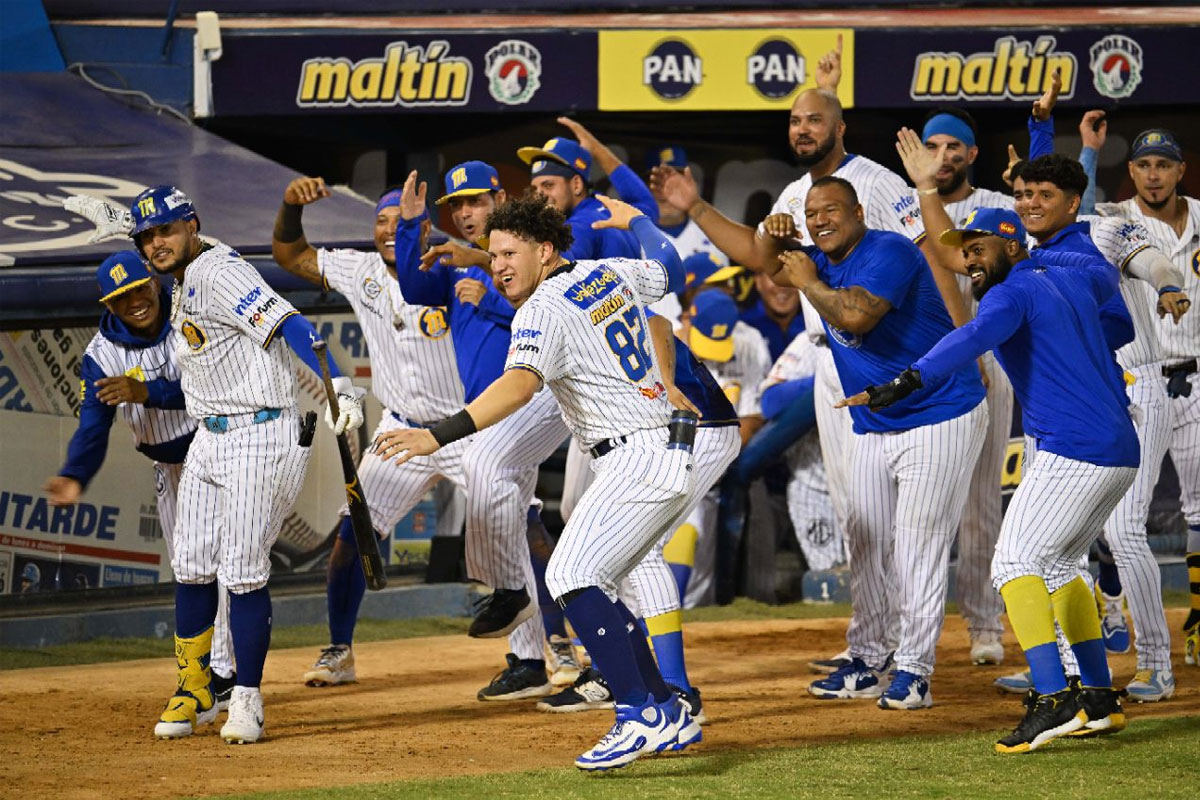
245, 722
335, 665
638, 731
986, 648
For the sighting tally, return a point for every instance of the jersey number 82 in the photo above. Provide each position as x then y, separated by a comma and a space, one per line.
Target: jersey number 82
627, 339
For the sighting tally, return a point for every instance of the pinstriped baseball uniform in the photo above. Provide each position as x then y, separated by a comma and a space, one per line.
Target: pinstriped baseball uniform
584, 333
237, 486
888, 204
413, 375
1181, 343
978, 601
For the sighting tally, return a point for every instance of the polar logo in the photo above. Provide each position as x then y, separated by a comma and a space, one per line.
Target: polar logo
775, 69
672, 69
514, 70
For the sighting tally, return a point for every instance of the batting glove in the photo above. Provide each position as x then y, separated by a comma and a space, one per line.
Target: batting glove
350, 406
112, 222
901, 387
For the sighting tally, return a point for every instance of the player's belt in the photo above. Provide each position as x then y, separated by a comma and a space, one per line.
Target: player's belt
227, 422
606, 446
412, 423
1186, 367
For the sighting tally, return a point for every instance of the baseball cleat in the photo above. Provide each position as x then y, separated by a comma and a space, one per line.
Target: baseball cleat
828, 666
1103, 710
692, 701
245, 722
638, 731
1113, 624
222, 688
854, 681
517, 681
986, 648
335, 665
1151, 685
500, 613
590, 692
185, 712
907, 691
1047, 717
1017, 683
562, 660
687, 727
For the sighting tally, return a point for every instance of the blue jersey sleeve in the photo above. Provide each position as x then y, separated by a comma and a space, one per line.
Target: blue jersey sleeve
1000, 314
1041, 137
633, 190
434, 287
659, 248
1088, 157
893, 267
1116, 323
299, 334
89, 444
494, 307
776, 398
165, 393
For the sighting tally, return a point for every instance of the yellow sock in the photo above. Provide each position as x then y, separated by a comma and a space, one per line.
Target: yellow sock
1030, 611
681, 549
1193, 571
1075, 610
670, 622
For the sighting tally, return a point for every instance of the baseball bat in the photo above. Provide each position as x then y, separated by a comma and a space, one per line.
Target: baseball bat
360, 515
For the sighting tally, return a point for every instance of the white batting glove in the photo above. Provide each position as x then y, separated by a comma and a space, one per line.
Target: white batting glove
350, 406
112, 222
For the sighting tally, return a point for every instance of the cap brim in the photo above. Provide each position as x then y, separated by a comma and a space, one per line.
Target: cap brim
124, 289
532, 154
710, 349
724, 274
460, 193
1165, 152
954, 238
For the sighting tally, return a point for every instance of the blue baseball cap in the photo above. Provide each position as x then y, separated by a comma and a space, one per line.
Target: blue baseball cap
121, 272
470, 178
703, 267
670, 155
1002, 222
1156, 142
563, 152
158, 206
714, 314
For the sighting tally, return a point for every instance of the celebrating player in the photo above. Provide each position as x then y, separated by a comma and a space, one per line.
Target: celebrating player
1040, 314
245, 466
880, 310
583, 327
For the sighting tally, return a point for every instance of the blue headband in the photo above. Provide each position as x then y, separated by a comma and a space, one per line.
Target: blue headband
392, 198
949, 125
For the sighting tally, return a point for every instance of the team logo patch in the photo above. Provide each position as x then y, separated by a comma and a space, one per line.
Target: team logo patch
118, 274
192, 333
1007, 227
845, 338
432, 323
775, 69
672, 69
136, 373
593, 288
514, 70
371, 287
653, 392
1196, 263
1116, 63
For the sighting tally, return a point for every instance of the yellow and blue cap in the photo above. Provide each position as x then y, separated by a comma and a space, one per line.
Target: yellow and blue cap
669, 155
714, 315
557, 151
470, 178
1156, 142
702, 267
1000, 222
121, 272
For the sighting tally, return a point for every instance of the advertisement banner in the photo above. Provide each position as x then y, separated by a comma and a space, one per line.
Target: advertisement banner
439, 72
1099, 66
716, 70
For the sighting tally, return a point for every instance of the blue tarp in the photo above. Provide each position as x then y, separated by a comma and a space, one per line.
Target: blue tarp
61, 136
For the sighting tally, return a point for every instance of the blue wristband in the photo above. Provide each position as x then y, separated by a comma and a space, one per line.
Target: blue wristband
1166, 289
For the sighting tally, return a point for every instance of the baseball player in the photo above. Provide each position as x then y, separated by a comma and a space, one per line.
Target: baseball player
129, 366
816, 133
776, 315
1173, 222
1040, 314
879, 306
413, 375
585, 325
245, 465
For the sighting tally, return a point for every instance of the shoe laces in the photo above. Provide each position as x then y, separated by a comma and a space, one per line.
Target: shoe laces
241, 704
330, 655
1113, 614
902, 684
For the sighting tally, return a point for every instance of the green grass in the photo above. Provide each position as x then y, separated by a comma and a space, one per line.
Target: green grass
1152, 758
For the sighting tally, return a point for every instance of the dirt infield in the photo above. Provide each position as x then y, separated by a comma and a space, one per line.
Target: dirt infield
86, 731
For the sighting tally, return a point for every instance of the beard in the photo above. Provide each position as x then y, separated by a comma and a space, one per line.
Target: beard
995, 275
823, 149
956, 180
1158, 205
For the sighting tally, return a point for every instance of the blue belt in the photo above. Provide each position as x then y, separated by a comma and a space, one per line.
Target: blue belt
223, 422
412, 423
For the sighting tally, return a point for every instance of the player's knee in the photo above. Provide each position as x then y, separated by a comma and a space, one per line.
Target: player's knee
246, 585
567, 596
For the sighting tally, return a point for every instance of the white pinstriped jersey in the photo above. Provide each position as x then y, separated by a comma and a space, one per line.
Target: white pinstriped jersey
229, 357
584, 333
798, 360
1182, 341
692, 240
413, 371
741, 377
887, 201
149, 425
958, 211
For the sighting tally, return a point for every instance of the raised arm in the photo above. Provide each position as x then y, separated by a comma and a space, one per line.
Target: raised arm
629, 186
852, 309
288, 245
1093, 130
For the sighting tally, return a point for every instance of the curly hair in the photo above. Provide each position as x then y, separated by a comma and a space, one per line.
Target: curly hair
531, 217
1063, 171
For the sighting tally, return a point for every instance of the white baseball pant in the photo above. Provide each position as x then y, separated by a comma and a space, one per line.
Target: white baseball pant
1185, 449
810, 507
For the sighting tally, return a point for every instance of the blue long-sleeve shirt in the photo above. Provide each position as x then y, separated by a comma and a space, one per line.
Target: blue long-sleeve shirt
591, 244
1043, 324
481, 333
